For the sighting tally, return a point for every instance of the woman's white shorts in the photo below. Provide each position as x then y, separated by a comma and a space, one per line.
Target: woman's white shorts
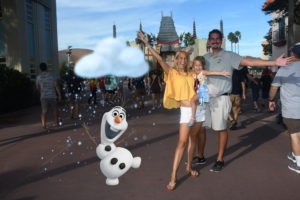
186, 114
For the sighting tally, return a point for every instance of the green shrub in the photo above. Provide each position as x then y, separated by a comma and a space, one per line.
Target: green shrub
17, 91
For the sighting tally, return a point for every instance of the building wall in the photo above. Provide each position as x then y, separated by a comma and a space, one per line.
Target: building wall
29, 35
279, 50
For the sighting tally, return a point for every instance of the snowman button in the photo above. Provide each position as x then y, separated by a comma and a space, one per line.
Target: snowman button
122, 166
107, 148
113, 161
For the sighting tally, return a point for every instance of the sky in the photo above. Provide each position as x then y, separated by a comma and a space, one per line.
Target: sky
83, 23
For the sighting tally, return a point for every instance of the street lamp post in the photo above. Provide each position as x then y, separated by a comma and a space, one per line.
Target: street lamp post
69, 52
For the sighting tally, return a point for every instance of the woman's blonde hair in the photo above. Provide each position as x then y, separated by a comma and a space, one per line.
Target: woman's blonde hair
187, 58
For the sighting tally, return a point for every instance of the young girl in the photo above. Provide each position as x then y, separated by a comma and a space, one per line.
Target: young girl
201, 88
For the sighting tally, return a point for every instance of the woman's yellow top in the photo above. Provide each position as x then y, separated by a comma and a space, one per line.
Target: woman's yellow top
179, 86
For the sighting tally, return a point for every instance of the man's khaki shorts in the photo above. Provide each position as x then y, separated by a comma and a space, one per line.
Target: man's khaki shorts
236, 102
219, 108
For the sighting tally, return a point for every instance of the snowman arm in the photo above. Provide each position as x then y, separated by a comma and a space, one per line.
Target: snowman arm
136, 162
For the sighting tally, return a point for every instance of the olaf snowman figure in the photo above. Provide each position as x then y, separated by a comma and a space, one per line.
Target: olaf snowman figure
115, 161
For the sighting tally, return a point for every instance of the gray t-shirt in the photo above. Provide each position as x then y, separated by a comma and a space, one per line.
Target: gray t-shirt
288, 78
224, 61
46, 81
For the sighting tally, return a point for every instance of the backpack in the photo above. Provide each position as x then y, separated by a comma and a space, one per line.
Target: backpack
107, 81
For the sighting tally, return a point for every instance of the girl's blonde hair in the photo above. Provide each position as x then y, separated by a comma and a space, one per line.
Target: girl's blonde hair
187, 58
201, 59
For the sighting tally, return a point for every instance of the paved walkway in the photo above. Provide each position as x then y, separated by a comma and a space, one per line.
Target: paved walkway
61, 163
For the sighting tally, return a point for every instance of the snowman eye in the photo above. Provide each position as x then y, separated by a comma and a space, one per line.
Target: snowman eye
122, 115
115, 113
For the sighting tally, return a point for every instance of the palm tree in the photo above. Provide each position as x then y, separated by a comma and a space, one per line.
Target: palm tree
231, 38
238, 38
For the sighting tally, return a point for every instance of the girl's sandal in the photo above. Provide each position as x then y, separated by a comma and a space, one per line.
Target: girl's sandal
171, 186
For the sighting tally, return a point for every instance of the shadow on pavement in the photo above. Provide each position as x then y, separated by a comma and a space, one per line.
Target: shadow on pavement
13, 178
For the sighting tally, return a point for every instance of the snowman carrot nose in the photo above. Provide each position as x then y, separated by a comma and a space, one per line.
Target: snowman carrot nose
118, 119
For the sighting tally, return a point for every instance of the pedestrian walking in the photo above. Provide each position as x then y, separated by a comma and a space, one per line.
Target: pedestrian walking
49, 94
74, 88
255, 88
139, 91
155, 89
93, 90
238, 92
287, 79
265, 82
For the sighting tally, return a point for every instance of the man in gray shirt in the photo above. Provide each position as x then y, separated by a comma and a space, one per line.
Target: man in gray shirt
288, 79
220, 106
48, 87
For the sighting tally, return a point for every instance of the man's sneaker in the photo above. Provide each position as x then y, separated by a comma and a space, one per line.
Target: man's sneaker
294, 167
291, 157
217, 166
197, 160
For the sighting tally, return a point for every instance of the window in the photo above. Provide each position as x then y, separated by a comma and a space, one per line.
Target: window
32, 71
47, 28
281, 33
30, 28
30, 33
2, 41
29, 10
2, 62
1, 11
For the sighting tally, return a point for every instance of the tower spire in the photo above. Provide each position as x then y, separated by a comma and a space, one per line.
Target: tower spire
114, 31
221, 26
194, 30
141, 26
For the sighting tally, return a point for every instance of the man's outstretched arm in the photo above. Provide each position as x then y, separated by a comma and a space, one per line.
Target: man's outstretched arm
257, 62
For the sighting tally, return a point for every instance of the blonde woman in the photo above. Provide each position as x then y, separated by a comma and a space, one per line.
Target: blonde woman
179, 92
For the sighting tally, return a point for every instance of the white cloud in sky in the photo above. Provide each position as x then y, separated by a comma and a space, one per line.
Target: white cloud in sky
111, 5
112, 56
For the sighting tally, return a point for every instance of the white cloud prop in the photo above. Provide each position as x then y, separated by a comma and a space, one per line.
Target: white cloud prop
112, 56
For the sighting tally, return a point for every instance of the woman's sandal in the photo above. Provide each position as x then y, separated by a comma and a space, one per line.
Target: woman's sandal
192, 172
171, 186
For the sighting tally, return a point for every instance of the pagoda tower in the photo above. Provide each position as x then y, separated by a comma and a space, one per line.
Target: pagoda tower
167, 39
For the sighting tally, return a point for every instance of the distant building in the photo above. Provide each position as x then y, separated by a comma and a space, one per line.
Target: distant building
28, 35
168, 43
167, 39
282, 40
76, 55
